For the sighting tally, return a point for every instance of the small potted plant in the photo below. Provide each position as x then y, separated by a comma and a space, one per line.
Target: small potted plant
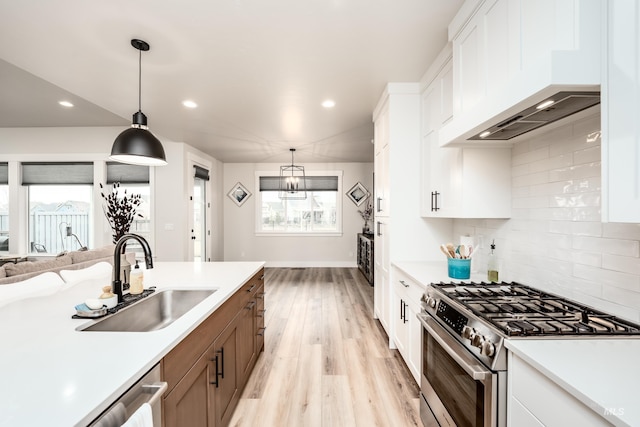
366, 214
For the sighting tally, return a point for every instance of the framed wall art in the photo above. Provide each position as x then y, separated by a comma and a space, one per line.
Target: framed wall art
358, 194
239, 194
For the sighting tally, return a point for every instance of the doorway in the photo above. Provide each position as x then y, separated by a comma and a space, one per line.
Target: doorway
199, 232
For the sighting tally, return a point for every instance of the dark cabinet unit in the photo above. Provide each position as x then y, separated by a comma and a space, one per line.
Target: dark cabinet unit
365, 256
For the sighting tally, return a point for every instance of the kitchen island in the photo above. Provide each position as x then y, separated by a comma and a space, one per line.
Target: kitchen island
53, 374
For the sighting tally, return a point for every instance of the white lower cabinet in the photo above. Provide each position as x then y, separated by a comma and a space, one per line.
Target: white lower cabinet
407, 330
535, 400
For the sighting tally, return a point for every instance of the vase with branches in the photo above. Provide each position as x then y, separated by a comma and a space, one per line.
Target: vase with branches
366, 214
120, 209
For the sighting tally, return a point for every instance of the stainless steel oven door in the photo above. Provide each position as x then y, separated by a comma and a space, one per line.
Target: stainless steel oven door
459, 390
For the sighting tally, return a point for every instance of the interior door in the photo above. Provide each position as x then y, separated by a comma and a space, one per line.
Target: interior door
199, 231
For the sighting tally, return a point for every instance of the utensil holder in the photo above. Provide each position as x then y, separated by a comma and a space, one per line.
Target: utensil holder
459, 268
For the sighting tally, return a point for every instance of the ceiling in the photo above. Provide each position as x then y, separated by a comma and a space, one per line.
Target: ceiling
258, 70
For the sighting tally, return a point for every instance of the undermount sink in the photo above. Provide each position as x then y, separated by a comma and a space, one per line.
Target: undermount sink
152, 313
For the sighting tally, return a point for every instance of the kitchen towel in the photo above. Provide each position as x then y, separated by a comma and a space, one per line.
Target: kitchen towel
143, 417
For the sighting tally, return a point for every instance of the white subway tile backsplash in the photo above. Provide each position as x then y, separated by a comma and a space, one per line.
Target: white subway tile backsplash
531, 156
530, 179
587, 170
607, 246
555, 239
593, 259
588, 155
626, 264
593, 229
621, 231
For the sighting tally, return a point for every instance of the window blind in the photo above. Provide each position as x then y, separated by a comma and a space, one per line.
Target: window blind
313, 183
4, 173
201, 173
42, 173
127, 174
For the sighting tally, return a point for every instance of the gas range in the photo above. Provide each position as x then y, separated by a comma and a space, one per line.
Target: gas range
481, 316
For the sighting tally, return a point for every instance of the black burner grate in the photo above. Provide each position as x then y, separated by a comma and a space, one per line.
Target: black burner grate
519, 310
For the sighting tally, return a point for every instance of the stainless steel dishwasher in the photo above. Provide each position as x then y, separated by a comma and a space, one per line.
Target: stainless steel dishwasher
149, 389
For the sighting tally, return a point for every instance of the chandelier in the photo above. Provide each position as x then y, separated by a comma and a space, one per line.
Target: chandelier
292, 183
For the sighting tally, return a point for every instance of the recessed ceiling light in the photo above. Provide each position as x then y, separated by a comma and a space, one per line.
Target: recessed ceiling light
189, 104
545, 104
66, 104
329, 103
485, 134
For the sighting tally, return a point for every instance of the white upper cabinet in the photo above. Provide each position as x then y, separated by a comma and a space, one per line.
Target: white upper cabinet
511, 54
458, 182
621, 113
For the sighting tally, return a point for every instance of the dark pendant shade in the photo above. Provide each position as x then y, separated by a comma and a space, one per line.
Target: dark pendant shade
138, 146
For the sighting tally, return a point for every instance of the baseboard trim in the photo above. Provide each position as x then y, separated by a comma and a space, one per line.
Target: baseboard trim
309, 264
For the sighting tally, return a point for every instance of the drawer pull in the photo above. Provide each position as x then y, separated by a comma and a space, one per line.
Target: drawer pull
404, 283
251, 288
261, 313
261, 332
250, 305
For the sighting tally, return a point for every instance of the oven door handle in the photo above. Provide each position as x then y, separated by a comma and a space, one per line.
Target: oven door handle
477, 371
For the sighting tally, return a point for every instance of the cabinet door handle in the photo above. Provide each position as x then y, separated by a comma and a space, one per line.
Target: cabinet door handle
261, 313
401, 307
221, 351
251, 288
250, 305
404, 283
434, 201
404, 319
379, 227
261, 295
261, 332
378, 203
217, 373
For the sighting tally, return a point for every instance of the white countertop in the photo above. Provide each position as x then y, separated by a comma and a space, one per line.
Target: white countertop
604, 374
425, 272
601, 373
51, 374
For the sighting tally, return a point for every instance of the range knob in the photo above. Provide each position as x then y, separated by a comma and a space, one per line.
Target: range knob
467, 332
476, 340
431, 302
487, 348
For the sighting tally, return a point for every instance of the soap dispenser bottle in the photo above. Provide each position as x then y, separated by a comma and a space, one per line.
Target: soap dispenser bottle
492, 264
137, 285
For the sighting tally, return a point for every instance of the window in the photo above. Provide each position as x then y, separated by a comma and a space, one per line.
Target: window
319, 213
4, 207
59, 196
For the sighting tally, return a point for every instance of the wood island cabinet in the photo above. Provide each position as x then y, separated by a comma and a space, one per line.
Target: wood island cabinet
208, 369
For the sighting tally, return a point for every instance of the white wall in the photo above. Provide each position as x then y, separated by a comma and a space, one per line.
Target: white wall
555, 239
242, 244
170, 184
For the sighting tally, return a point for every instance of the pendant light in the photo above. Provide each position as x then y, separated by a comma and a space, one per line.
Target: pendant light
292, 183
137, 145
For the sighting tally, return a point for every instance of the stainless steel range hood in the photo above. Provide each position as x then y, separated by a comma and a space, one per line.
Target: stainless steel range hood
544, 112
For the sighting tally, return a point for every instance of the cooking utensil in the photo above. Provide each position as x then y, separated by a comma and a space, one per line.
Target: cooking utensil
444, 250
451, 249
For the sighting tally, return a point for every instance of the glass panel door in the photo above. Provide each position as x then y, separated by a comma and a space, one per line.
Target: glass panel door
199, 232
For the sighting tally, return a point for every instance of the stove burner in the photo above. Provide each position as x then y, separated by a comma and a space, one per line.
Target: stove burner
518, 310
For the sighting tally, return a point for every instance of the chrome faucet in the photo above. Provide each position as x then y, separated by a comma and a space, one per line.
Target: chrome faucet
116, 285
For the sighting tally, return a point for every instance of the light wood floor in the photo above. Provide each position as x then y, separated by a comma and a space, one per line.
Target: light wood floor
326, 360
